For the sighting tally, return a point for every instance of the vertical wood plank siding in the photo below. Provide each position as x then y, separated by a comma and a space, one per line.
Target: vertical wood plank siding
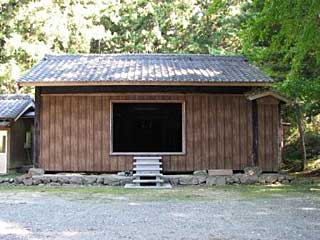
268, 127
75, 133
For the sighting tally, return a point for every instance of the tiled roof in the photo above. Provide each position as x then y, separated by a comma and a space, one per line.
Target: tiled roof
13, 105
135, 68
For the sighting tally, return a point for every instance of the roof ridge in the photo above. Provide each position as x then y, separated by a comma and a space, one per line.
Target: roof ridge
16, 96
145, 55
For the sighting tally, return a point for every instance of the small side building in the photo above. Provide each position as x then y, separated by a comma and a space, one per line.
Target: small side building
16, 124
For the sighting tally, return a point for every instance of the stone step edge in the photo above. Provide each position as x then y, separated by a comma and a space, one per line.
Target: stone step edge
148, 181
148, 175
147, 163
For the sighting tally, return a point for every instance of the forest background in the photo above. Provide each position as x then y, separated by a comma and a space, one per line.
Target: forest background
280, 37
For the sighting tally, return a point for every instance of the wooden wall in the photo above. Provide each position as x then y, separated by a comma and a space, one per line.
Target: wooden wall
268, 128
18, 156
75, 129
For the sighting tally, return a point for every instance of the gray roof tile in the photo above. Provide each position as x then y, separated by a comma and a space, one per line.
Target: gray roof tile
12, 105
144, 67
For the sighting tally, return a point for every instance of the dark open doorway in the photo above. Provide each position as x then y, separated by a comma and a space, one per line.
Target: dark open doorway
147, 128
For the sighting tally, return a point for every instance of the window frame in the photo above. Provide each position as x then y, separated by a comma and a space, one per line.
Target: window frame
183, 119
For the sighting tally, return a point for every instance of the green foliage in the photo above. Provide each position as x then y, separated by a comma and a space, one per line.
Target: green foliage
229, 17
283, 37
293, 151
30, 29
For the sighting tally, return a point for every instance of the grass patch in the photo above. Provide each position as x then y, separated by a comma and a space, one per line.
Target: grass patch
189, 193
113, 193
278, 190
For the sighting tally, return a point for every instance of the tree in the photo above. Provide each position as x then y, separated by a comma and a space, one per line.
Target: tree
31, 29
283, 37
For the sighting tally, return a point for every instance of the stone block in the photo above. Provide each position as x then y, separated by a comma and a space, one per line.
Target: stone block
36, 180
220, 172
271, 178
27, 181
124, 180
172, 179
211, 181
249, 179
221, 180
253, 171
281, 178
45, 179
201, 179
89, 179
262, 180
111, 180
62, 179
188, 180
19, 179
35, 171
234, 179
200, 173
76, 180
53, 178
290, 178
5, 180
100, 179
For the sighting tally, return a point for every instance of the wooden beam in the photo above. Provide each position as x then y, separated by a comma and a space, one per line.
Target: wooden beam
36, 145
255, 134
145, 89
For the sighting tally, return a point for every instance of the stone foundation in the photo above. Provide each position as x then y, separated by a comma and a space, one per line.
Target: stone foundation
120, 180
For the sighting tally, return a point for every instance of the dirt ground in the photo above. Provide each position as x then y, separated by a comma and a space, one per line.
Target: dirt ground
243, 212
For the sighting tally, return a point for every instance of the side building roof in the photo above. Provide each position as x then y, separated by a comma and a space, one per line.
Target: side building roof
13, 106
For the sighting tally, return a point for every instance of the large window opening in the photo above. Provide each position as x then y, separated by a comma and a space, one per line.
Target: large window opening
147, 127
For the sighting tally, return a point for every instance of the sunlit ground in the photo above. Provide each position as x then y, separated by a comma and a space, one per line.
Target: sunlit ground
82, 212
191, 193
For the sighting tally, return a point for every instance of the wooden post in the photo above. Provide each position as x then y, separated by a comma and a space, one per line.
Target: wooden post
280, 128
36, 146
299, 116
255, 134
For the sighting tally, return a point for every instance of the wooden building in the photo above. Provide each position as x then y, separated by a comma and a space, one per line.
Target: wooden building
16, 121
95, 112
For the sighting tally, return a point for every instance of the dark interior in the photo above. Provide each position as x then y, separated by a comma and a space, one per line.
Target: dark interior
147, 127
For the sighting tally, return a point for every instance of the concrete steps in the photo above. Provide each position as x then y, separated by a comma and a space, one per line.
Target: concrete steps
147, 173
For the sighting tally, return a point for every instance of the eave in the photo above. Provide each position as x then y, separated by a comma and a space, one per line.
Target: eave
256, 95
142, 83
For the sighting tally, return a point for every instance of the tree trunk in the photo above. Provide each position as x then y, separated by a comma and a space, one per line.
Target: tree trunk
302, 136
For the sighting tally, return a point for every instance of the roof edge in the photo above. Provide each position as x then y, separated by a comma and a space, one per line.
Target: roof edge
30, 105
256, 95
53, 55
142, 83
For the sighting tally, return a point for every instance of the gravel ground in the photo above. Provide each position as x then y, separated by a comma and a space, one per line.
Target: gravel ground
36, 215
